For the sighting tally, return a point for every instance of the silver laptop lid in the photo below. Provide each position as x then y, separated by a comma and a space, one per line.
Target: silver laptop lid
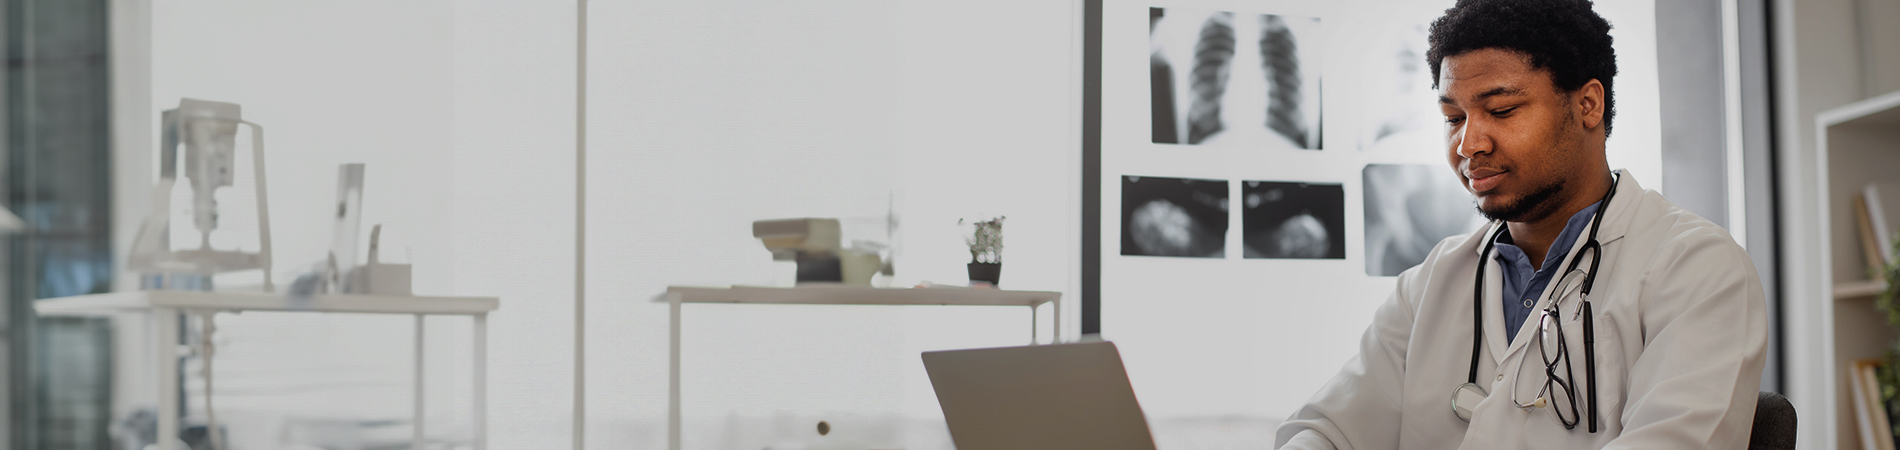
1041, 397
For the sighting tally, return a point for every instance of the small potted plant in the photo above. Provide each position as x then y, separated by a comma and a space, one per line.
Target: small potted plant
986, 250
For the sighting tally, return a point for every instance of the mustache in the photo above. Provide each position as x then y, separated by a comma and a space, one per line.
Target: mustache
1467, 168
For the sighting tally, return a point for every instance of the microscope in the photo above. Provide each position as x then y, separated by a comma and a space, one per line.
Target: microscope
208, 131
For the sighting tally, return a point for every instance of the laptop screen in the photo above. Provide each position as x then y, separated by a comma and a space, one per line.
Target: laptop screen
1044, 397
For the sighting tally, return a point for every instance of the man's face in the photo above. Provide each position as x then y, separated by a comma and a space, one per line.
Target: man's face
1510, 135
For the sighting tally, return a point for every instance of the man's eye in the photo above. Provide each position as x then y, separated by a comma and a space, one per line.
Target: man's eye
1454, 120
1503, 112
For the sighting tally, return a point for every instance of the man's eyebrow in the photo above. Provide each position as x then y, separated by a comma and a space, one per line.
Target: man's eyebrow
1493, 92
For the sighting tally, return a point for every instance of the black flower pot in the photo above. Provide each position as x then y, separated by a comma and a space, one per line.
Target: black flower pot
985, 272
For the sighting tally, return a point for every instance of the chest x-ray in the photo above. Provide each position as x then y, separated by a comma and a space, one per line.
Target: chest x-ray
1234, 79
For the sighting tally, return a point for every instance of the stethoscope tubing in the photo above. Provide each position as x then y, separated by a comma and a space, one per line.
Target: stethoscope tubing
1589, 281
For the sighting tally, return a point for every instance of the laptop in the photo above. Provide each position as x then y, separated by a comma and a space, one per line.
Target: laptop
1042, 397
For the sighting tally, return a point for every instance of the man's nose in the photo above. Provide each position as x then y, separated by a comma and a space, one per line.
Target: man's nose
1471, 140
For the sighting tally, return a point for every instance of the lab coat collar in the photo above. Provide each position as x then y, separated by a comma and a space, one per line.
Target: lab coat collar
1616, 222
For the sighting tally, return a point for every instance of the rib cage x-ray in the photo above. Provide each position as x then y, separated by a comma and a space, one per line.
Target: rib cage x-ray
1281, 61
1250, 80
1213, 59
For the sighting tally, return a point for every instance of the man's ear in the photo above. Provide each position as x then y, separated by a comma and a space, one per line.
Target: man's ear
1589, 103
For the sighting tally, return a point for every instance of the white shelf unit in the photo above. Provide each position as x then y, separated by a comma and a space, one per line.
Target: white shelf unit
1830, 304
163, 307
1858, 289
834, 295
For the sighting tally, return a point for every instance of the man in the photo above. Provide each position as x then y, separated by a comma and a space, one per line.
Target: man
1660, 344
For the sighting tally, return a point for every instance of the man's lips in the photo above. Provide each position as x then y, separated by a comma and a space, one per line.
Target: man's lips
1483, 180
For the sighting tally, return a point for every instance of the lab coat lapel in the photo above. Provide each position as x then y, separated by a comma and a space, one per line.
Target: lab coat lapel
1616, 222
1500, 346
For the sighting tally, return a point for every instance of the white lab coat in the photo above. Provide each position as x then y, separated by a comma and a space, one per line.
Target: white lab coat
1681, 336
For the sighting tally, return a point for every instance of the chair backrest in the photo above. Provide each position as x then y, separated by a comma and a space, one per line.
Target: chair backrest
1774, 423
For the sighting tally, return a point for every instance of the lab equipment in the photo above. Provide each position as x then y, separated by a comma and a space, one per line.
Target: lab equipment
207, 325
208, 131
789, 238
1466, 396
339, 271
377, 277
348, 223
858, 264
814, 243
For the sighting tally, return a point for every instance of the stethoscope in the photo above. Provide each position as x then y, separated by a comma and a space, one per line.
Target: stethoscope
1466, 396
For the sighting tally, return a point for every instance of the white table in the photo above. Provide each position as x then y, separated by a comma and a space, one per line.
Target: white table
834, 295
164, 307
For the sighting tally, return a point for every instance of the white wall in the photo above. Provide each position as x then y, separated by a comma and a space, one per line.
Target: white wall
463, 113
704, 116
709, 115
513, 208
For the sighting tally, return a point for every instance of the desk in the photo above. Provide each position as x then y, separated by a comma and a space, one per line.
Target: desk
833, 295
164, 307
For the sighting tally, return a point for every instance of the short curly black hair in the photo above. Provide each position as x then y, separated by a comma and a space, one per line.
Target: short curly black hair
1564, 37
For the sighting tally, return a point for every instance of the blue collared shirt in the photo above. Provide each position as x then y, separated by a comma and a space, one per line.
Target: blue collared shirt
1522, 284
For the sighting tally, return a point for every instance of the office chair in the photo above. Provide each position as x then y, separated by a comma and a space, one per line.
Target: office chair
1774, 423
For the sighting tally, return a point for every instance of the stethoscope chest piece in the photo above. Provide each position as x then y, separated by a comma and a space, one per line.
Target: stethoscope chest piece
1465, 399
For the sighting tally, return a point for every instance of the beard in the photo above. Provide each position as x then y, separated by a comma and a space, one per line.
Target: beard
1538, 204
1529, 208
